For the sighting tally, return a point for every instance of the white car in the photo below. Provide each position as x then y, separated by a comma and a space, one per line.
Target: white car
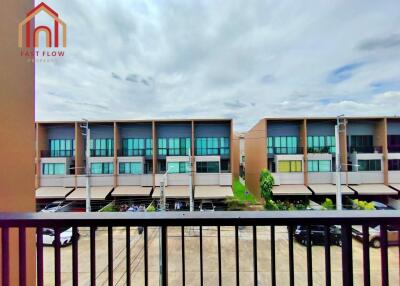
57, 206
65, 236
207, 206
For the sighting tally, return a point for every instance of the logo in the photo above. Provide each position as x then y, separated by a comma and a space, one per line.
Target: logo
54, 39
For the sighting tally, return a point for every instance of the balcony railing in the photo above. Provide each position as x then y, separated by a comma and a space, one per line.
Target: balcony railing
56, 153
212, 151
322, 150
101, 152
365, 149
165, 222
285, 150
131, 152
394, 149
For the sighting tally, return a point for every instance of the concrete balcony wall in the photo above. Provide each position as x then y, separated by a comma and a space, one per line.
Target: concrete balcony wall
207, 158
178, 179
101, 180
394, 177
319, 156
133, 159
101, 160
146, 180
129, 180
57, 181
177, 159
319, 178
371, 177
207, 179
392, 156
225, 179
289, 178
56, 160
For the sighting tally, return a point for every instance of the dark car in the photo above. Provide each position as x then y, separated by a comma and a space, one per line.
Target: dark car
318, 236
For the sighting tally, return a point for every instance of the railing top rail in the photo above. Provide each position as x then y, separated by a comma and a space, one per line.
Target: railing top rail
228, 218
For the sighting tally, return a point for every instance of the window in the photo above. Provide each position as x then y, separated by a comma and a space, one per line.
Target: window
212, 146
137, 147
102, 147
369, 165
394, 165
282, 145
319, 166
149, 147
131, 168
174, 146
177, 167
225, 166
361, 143
321, 144
394, 143
289, 166
62, 147
224, 146
207, 167
53, 169
102, 168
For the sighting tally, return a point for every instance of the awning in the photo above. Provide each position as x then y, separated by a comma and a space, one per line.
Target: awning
291, 190
131, 191
96, 193
396, 186
173, 192
212, 192
374, 189
329, 189
52, 192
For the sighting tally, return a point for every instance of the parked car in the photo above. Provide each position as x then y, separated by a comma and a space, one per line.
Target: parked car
381, 206
57, 206
65, 236
318, 235
207, 206
375, 235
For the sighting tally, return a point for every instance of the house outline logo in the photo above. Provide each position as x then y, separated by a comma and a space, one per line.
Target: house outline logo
50, 41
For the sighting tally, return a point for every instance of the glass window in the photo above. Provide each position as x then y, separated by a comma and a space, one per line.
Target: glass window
319, 166
53, 169
369, 165
102, 168
102, 147
162, 146
289, 166
131, 168
177, 167
207, 167
394, 165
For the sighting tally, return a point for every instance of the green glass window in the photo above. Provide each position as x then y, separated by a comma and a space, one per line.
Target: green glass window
102, 147
177, 167
321, 144
224, 146
135, 146
102, 168
282, 145
61, 147
53, 169
149, 147
212, 146
131, 168
207, 167
162, 146
369, 165
319, 166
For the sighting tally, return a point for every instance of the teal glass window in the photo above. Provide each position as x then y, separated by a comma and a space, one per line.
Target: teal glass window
212, 146
321, 144
135, 168
207, 167
149, 147
102, 168
102, 147
224, 146
319, 166
369, 165
136, 146
282, 144
53, 169
162, 146
177, 167
61, 148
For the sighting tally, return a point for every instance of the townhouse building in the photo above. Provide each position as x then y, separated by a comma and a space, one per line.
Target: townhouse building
132, 158
301, 155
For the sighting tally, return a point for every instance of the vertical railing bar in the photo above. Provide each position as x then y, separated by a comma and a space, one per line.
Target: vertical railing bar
110, 256
347, 256
384, 255
327, 256
273, 268
291, 258
75, 261
309, 256
164, 256
146, 257
5, 256
22, 255
39, 256
255, 268
128, 255
201, 256
219, 256
366, 259
92, 256
57, 257
237, 255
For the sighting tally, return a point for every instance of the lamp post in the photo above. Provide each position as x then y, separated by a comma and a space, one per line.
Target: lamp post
338, 163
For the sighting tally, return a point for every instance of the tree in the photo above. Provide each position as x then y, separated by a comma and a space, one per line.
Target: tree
266, 184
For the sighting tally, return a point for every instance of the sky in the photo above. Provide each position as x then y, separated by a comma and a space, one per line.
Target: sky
222, 59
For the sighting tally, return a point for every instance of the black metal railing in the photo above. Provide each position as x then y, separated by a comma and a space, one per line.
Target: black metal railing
285, 150
131, 152
165, 221
101, 152
365, 149
324, 149
56, 153
394, 149
212, 151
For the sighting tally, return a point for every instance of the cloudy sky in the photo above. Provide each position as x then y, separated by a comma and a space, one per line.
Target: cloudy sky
236, 59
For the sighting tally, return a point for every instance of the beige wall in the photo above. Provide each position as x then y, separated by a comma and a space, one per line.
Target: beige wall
256, 155
235, 156
17, 132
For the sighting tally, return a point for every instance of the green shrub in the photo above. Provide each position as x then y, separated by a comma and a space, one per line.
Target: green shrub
328, 204
266, 184
286, 205
151, 208
234, 204
109, 208
363, 205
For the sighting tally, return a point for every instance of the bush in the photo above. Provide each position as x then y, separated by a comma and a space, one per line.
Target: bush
234, 204
151, 208
109, 208
266, 184
328, 204
286, 205
362, 205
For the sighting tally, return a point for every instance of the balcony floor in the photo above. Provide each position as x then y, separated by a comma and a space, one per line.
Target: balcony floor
210, 259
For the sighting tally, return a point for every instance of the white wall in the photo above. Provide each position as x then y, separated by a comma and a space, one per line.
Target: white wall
177, 159
225, 179
129, 180
57, 181
101, 180
289, 178
207, 179
394, 177
319, 178
371, 177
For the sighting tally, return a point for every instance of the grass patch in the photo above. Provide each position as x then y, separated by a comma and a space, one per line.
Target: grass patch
239, 192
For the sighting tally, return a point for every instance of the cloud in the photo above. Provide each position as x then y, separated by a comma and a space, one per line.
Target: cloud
389, 42
207, 59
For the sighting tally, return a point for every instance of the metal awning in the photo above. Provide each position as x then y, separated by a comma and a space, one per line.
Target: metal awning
212, 192
329, 189
173, 192
374, 189
97, 193
131, 191
291, 190
52, 192
396, 186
